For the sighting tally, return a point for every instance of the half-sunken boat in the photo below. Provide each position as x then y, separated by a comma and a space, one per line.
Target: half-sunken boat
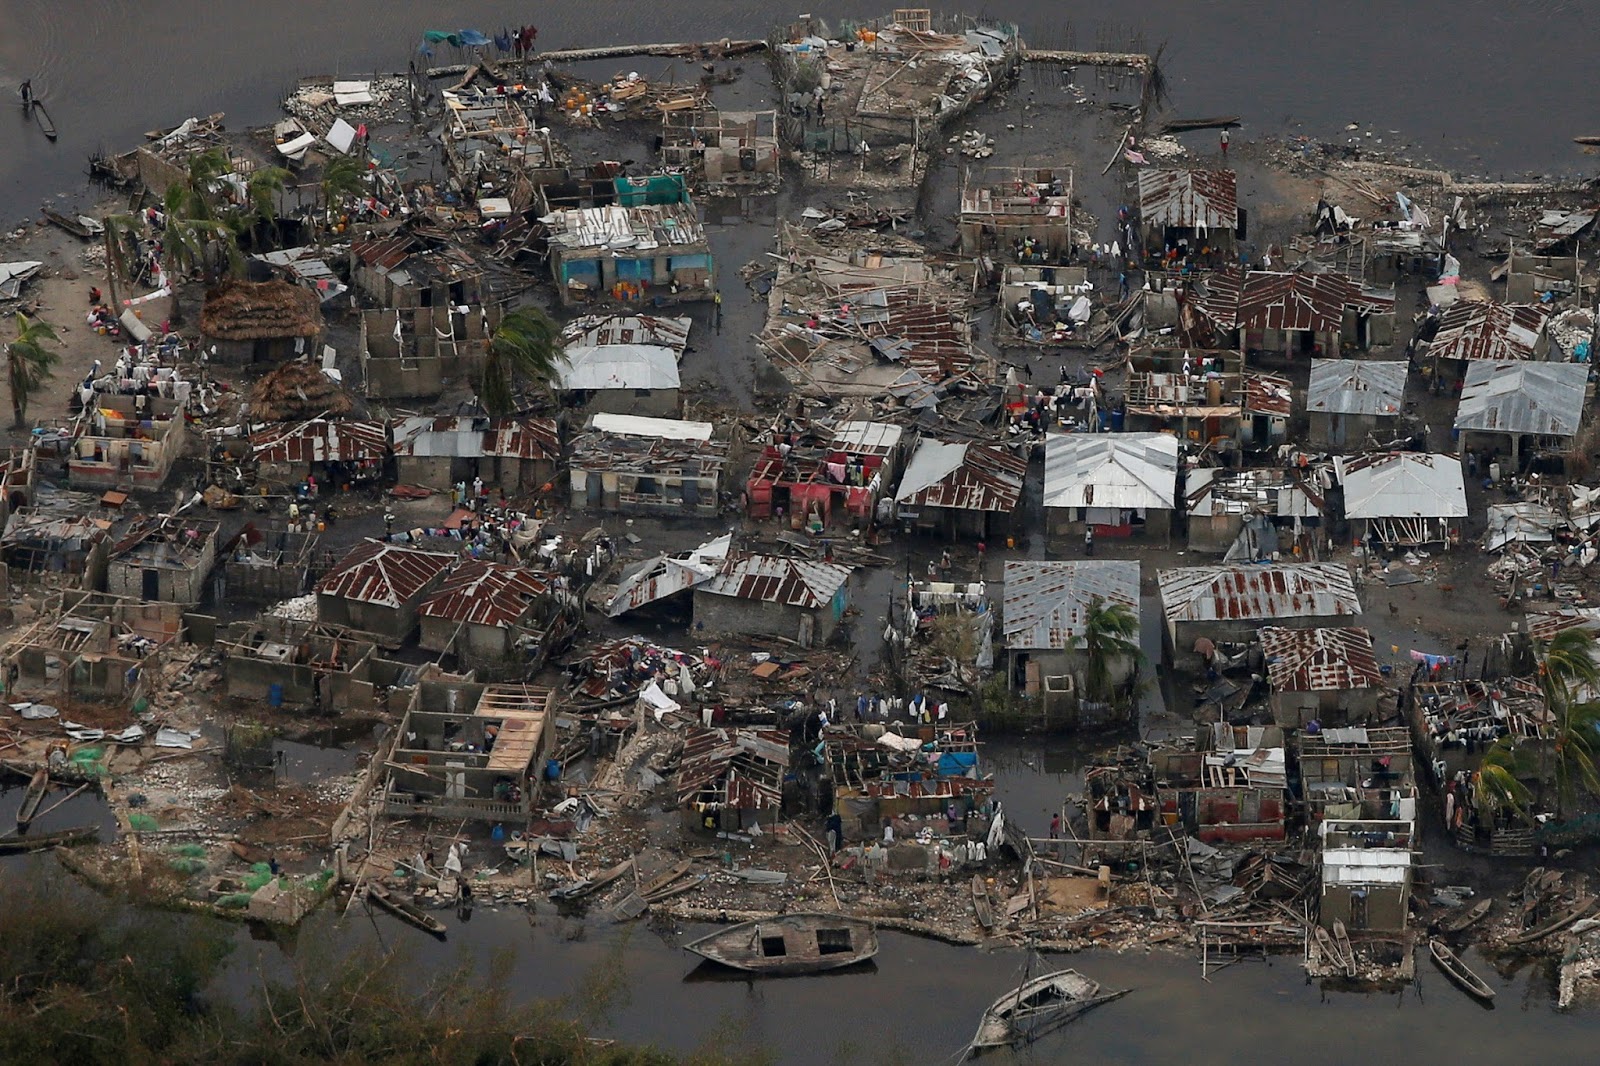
790, 944
1037, 1006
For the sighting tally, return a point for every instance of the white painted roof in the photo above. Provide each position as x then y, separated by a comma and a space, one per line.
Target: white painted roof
1111, 470
1402, 485
640, 426
618, 366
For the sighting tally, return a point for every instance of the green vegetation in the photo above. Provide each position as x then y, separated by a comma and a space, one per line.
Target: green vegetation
29, 364
524, 351
1569, 679
1110, 634
90, 982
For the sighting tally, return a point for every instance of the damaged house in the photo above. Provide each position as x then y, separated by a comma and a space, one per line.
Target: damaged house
960, 490
727, 777
488, 613
247, 322
623, 364
334, 451
825, 474
1472, 331
880, 772
1017, 214
517, 454
166, 559
419, 352
1248, 515
1354, 403
89, 645
1366, 875
1403, 498
1300, 312
637, 465
1268, 403
127, 441
1196, 208
648, 244
377, 588
1043, 618
1357, 772
303, 665
764, 595
663, 580
1329, 676
267, 565
58, 539
399, 271
732, 152
1230, 787
1118, 484
1217, 604
1194, 393
469, 751
1523, 409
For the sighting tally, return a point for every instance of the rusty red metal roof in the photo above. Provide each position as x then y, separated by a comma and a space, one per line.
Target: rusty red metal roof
966, 477
1184, 199
1320, 660
1499, 333
385, 252
383, 574
1268, 394
770, 579
1250, 592
485, 594
522, 438
319, 441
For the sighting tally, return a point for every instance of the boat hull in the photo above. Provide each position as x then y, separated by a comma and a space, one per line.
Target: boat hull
790, 945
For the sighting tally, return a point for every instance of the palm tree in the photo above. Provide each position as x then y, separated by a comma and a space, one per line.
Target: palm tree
1569, 680
29, 363
1498, 786
1110, 634
1576, 735
262, 193
342, 177
525, 349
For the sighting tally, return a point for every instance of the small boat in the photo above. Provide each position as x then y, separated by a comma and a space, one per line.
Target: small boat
1459, 972
664, 878
38, 786
1590, 140
1556, 924
406, 912
1037, 1006
982, 905
790, 944
1467, 918
42, 117
82, 834
590, 885
79, 226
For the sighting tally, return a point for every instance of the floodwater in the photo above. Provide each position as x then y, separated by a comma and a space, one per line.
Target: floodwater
1450, 82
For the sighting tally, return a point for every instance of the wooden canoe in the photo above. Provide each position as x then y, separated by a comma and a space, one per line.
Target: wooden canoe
46, 125
1459, 972
1556, 924
589, 886
82, 834
1467, 918
79, 226
1037, 1006
38, 787
406, 912
790, 944
982, 905
1587, 140
664, 878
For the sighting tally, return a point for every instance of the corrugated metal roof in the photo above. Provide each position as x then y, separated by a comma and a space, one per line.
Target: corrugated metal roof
866, 438
1184, 199
770, 579
1268, 394
426, 436
1135, 470
1356, 387
1472, 329
967, 477
626, 231
1244, 593
321, 441
667, 575
1528, 397
1320, 660
1045, 602
629, 329
522, 438
1545, 627
1366, 866
617, 366
1402, 485
1302, 300
485, 594
383, 574
642, 426
1213, 491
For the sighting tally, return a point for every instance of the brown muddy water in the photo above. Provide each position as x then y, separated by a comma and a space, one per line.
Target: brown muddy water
1477, 85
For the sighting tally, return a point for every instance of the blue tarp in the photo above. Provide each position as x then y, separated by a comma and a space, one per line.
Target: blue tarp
957, 763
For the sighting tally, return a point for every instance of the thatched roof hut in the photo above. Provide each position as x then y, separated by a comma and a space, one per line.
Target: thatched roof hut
247, 321
294, 391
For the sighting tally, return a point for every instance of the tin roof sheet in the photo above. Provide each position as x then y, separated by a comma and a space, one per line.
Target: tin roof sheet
1245, 593
385, 575
1186, 199
617, 366
1473, 329
1046, 602
1356, 387
1524, 397
1402, 485
319, 441
1268, 394
770, 579
967, 477
655, 330
485, 594
1134, 470
642, 426
1320, 660
1302, 300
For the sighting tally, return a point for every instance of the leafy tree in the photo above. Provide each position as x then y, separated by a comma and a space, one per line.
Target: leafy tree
1499, 785
525, 350
1569, 680
1110, 634
262, 193
29, 364
342, 177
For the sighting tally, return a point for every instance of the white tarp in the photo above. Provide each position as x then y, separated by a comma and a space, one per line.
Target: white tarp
341, 136
897, 742
659, 702
296, 149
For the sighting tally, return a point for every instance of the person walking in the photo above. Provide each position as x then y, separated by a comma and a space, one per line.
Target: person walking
1224, 139
716, 306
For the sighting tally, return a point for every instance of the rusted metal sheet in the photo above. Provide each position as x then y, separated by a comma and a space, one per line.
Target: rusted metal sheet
522, 438
383, 574
1471, 329
1268, 394
769, 579
1302, 300
1189, 199
485, 594
965, 477
1320, 660
1247, 593
321, 441
1046, 603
